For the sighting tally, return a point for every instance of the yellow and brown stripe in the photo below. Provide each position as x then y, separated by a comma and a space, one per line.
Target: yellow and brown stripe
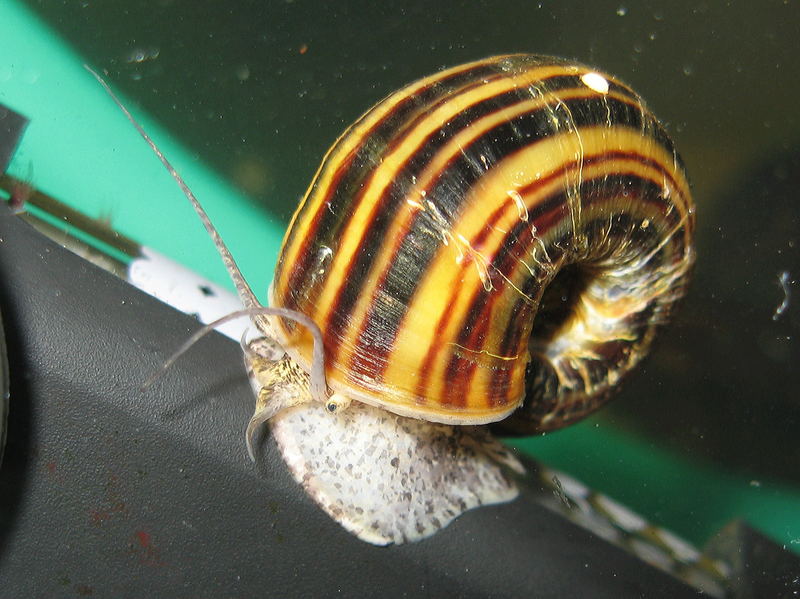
426, 241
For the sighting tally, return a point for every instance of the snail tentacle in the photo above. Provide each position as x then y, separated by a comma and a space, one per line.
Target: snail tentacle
253, 308
243, 289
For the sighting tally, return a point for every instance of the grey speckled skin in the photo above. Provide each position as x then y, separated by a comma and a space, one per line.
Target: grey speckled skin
108, 491
389, 479
385, 478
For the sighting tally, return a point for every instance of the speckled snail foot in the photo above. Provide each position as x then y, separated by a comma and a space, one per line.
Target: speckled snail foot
390, 479
495, 243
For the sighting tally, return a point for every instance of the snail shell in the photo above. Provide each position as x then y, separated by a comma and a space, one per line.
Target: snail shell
499, 239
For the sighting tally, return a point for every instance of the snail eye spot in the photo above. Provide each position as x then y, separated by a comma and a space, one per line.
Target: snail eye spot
336, 403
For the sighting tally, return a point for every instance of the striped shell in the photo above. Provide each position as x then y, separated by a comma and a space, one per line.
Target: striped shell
500, 237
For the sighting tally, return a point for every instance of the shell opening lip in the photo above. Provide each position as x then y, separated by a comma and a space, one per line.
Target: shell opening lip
342, 395
419, 412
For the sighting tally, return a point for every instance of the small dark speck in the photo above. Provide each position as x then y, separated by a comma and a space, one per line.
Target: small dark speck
207, 291
395, 462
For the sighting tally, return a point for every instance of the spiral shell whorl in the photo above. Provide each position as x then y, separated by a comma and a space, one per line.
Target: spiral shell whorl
437, 222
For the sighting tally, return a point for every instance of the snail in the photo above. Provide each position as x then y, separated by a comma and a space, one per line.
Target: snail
496, 243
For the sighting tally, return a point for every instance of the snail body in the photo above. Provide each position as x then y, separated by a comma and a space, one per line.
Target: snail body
495, 243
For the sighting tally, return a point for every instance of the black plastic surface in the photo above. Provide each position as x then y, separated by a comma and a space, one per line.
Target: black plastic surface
111, 492
4, 391
12, 125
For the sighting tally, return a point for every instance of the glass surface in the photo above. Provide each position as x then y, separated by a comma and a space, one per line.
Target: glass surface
707, 429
